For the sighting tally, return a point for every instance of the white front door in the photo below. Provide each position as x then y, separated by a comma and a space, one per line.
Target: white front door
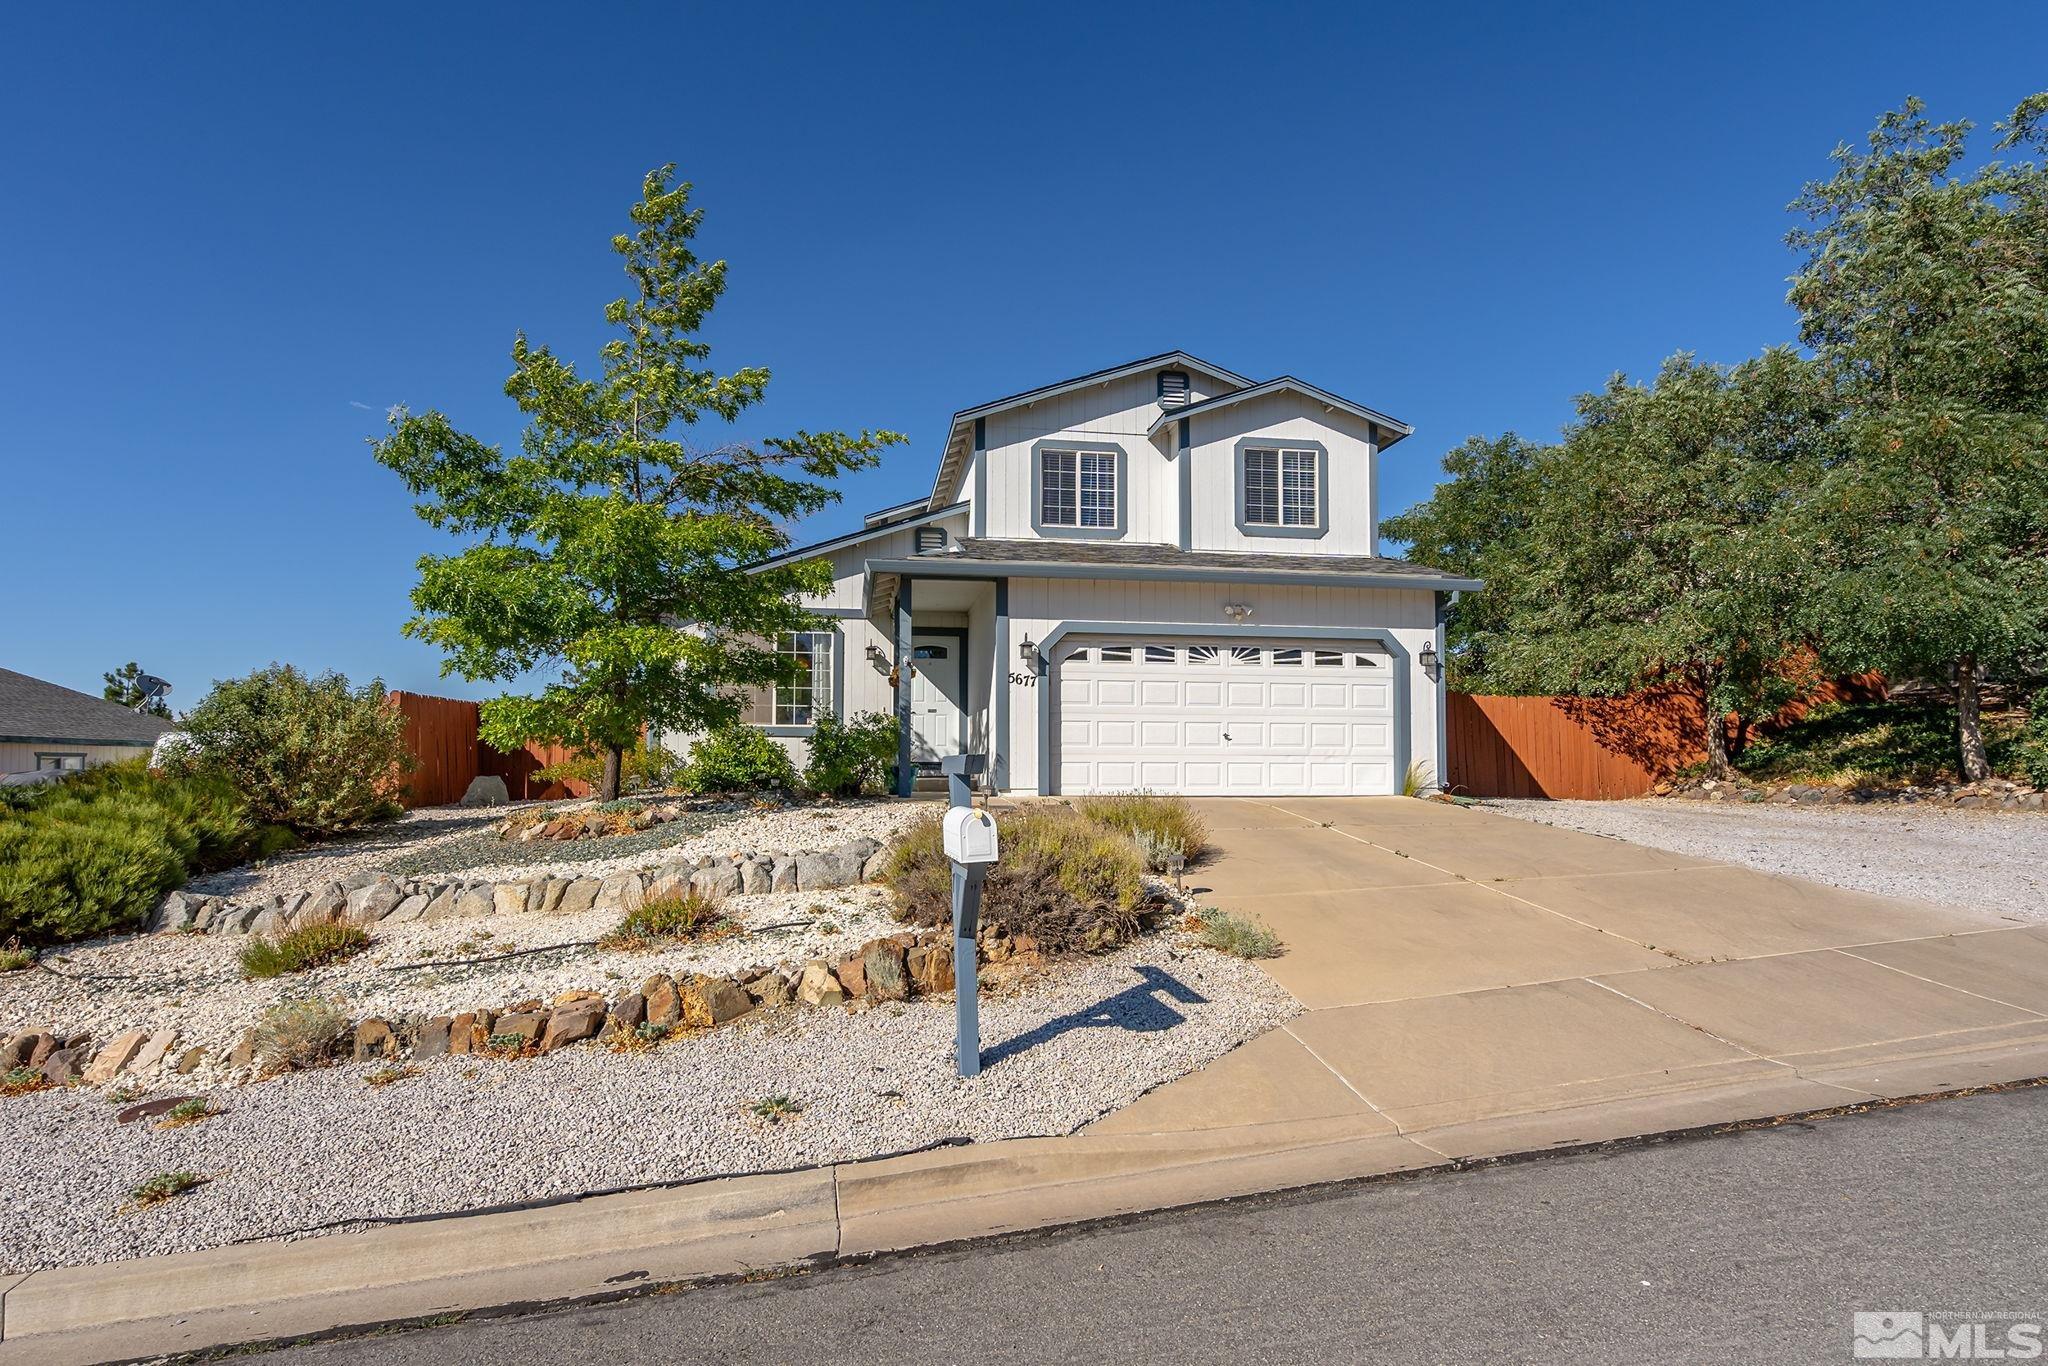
938, 697
1223, 718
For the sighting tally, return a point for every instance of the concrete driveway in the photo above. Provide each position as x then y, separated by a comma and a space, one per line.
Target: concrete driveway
1479, 984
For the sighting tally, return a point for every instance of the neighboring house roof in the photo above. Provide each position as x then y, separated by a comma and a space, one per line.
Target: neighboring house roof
981, 557
866, 533
960, 433
1288, 384
33, 712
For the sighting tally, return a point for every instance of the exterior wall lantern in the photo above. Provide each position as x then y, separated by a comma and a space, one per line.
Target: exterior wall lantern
1028, 652
1429, 661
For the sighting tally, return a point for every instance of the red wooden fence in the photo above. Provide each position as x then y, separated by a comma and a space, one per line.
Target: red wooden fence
1591, 747
441, 733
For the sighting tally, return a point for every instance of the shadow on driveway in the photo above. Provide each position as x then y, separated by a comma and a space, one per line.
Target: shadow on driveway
1139, 1009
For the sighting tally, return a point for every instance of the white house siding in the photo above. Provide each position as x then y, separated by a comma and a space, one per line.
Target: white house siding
1349, 501
1120, 411
1039, 606
21, 758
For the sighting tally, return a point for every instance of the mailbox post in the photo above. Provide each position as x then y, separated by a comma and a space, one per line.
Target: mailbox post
971, 847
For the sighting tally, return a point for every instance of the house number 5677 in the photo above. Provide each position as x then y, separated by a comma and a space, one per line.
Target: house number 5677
1024, 680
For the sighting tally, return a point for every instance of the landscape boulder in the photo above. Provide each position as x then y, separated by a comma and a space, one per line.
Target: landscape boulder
375, 1039
709, 1001
572, 1023
486, 789
819, 986
882, 964
115, 1056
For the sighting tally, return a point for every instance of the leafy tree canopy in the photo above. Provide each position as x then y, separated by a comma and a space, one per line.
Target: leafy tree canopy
609, 530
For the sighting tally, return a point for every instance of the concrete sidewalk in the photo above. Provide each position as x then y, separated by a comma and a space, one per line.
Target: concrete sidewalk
1476, 986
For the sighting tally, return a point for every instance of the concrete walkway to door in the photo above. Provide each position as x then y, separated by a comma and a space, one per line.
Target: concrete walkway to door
1477, 985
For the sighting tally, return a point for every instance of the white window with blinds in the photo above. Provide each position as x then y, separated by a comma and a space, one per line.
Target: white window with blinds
1077, 488
1280, 488
798, 703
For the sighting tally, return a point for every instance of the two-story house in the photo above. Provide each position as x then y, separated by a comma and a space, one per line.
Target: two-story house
1159, 576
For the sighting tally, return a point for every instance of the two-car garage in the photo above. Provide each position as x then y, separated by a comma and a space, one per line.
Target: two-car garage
1225, 717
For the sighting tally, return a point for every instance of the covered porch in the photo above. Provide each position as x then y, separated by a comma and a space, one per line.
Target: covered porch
949, 664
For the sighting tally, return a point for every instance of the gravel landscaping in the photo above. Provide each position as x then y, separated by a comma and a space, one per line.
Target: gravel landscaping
1978, 860
321, 1150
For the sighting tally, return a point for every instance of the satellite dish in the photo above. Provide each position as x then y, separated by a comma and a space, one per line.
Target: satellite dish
152, 688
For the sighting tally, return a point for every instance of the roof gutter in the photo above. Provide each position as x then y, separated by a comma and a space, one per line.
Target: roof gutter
959, 567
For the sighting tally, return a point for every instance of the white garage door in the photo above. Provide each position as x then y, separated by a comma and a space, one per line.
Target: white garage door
1217, 718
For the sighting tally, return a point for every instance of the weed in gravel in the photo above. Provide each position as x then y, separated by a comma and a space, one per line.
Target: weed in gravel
510, 1046
297, 1034
20, 1081
161, 1187
691, 917
127, 1093
827, 927
775, 1109
388, 1076
638, 1039
15, 958
309, 946
1236, 935
187, 1112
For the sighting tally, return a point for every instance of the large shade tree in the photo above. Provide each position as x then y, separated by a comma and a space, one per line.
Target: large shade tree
1924, 294
1657, 551
609, 530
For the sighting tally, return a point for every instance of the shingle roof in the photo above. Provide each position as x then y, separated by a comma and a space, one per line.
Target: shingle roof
35, 712
1050, 551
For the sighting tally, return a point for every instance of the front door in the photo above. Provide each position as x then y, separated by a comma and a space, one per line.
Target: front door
938, 693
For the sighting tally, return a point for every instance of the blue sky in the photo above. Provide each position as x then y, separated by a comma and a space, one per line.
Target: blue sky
231, 238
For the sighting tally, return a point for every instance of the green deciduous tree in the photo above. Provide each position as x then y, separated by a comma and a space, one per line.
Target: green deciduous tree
124, 685
608, 532
1924, 293
1477, 523
1657, 550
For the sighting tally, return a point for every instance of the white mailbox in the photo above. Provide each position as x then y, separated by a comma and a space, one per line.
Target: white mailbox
970, 835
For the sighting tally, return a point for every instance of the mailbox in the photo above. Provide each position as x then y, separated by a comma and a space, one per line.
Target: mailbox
970, 835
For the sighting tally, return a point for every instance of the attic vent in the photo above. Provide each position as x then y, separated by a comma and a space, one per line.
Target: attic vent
931, 540
1173, 388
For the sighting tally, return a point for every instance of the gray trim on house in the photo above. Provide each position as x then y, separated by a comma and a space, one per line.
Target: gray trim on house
906, 773
1443, 699
1247, 527
812, 552
977, 513
999, 693
1184, 455
1394, 425
1404, 723
1083, 445
978, 558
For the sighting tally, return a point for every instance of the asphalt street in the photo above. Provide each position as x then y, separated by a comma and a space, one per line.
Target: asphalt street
1753, 1246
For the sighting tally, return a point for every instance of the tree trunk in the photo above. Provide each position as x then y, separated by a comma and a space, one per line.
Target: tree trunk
1975, 765
1715, 732
614, 765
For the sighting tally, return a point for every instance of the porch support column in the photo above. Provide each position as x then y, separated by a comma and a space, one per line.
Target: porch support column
999, 683
906, 776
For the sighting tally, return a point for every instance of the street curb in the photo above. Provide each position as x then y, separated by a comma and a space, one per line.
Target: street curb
712, 1237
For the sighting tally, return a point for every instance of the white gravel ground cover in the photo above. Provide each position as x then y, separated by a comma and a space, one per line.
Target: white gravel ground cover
323, 1149
1988, 860
193, 983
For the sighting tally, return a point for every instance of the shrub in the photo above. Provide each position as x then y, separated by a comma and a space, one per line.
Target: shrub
1234, 934
2030, 746
92, 854
667, 920
1160, 825
851, 757
310, 753
738, 758
309, 946
293, 1035
163, 1186
187, 1112
646, 766
1064, 880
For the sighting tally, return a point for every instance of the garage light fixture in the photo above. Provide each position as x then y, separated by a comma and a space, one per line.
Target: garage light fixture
1238, 612
1028, 652
1428, 660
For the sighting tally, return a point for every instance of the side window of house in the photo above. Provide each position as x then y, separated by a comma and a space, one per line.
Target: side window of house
65, 763
1280, 488
798, 703
1077, 488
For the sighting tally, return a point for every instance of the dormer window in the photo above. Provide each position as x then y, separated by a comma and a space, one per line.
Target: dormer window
1173, 388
